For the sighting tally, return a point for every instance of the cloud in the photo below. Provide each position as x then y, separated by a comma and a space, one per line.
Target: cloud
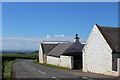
31, 43
59, 35
54, 36
58, 38
48, 36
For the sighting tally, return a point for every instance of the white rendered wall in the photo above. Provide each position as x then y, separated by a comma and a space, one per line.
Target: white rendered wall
64, 61
53, 60
97, 55
67, 61
118, 66
40, 54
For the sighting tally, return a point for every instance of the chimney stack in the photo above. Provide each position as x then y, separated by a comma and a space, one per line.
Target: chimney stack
76, 39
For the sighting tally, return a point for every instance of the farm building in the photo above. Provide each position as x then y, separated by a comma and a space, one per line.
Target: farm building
102, 50
65, 54
45, 48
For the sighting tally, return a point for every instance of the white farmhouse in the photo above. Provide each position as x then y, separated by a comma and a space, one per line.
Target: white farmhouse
45, 48
102, 50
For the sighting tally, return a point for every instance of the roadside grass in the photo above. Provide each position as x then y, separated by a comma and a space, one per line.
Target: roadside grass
9, 58
7, 75
53, 66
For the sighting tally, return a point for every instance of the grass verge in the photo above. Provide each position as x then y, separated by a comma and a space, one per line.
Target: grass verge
53, 66
7, 75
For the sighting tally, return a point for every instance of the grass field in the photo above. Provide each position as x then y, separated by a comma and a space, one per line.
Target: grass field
30, 55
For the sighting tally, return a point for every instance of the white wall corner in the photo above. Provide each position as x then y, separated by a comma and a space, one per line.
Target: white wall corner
97, 48
40, 54
118, 66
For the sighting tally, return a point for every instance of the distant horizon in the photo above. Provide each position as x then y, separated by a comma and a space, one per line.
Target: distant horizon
18, 50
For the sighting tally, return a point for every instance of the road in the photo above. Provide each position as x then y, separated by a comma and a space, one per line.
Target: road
28, 69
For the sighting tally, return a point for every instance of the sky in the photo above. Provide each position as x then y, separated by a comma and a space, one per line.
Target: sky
26, 24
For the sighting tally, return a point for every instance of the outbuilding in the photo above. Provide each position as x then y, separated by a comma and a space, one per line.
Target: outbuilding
102, 50
65, 54
62, 53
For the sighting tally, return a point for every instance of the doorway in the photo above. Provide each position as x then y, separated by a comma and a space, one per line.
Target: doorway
77, 61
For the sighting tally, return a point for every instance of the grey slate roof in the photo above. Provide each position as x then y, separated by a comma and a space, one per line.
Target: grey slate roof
47, 47
60, 48
75, 48
66, 48
112, 36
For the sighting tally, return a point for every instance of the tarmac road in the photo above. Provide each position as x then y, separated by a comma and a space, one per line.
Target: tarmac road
28, 69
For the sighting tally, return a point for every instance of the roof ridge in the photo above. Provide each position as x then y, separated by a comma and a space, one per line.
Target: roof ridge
69, 47
107, 33
54, 49
106, 26
109, 27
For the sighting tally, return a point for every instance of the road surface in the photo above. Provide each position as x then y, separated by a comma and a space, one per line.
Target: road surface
28, 69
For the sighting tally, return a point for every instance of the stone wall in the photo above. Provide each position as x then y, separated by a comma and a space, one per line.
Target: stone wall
97, 55
67, 61
53, 60
64, 61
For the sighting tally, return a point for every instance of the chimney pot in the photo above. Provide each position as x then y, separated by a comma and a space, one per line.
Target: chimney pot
76, 39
